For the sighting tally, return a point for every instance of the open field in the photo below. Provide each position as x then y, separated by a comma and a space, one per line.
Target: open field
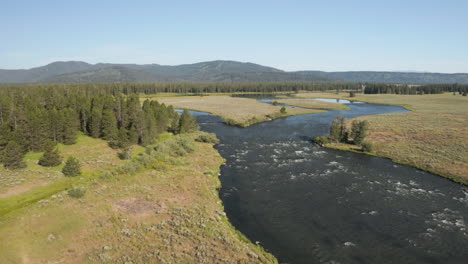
433, 137
308, 103
168, 212
235, 111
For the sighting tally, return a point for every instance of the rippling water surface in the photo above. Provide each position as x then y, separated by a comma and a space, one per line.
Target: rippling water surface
307, 204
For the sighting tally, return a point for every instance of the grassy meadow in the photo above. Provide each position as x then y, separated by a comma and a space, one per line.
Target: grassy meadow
432, 137
235, 111
165, 212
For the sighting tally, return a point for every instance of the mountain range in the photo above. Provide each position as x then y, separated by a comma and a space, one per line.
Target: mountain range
210, 71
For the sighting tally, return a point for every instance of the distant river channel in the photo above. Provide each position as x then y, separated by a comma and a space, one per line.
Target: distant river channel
308, 204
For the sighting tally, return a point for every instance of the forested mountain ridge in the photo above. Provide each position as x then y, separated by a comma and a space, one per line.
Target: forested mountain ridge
218, 71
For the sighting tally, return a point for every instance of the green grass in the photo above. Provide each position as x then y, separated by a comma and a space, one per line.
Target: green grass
172, 212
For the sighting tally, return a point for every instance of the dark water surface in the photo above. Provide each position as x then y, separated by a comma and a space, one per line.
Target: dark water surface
308, 204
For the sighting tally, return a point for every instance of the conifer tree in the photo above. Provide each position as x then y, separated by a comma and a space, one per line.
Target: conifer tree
109, 129
51, 156
72, 167
95, 123
12, 156
70, 127
187, 123
338, 130
359, 131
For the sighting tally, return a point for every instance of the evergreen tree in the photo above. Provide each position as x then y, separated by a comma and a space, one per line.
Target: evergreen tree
12, 157
51, 156
109, 129
70, 127
338, 131
187, 123
72, 167
121, 141
359, 131
95, 123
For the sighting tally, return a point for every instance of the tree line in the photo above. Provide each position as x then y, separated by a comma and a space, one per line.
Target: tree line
199, 88
33, 118
382, 88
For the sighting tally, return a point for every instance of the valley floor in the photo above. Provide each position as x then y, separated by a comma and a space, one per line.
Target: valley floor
235, 111
167, 212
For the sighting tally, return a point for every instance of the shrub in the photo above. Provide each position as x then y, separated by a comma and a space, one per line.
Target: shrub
274, 103
72, 167
77, 192
207, 138
323, 140
283, 110
125, 154
367, 146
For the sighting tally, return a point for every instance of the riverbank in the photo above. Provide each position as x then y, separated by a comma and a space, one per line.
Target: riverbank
315, 104
166, 211
235, 111
433, 137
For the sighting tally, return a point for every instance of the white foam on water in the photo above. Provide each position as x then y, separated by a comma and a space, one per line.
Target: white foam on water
349, 244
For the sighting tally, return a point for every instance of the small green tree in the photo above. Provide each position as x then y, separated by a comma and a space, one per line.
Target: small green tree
352, 94
12, 156
283, 110
338, 131
51, 156
187, 123
359, 131
72, 167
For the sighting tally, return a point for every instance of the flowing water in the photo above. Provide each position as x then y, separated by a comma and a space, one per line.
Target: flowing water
308, 204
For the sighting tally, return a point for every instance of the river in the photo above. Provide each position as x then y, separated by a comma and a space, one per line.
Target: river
308, 204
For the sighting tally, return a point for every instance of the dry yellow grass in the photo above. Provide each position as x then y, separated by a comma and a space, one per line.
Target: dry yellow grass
172, 215
433, 137
237, 111
308, 103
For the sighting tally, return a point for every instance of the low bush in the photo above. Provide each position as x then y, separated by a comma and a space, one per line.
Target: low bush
77, 192
125, 154
207, 138
323, 140
367, 146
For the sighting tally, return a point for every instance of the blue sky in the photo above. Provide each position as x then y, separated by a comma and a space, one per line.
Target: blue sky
329, 35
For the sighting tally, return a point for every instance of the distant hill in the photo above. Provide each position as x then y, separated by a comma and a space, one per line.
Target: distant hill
211, 71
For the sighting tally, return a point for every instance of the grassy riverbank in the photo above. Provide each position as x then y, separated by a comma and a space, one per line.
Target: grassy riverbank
165, 211
307, 103
433, 137
236, 111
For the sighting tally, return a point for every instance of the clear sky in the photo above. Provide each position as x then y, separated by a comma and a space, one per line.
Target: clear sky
330, 35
